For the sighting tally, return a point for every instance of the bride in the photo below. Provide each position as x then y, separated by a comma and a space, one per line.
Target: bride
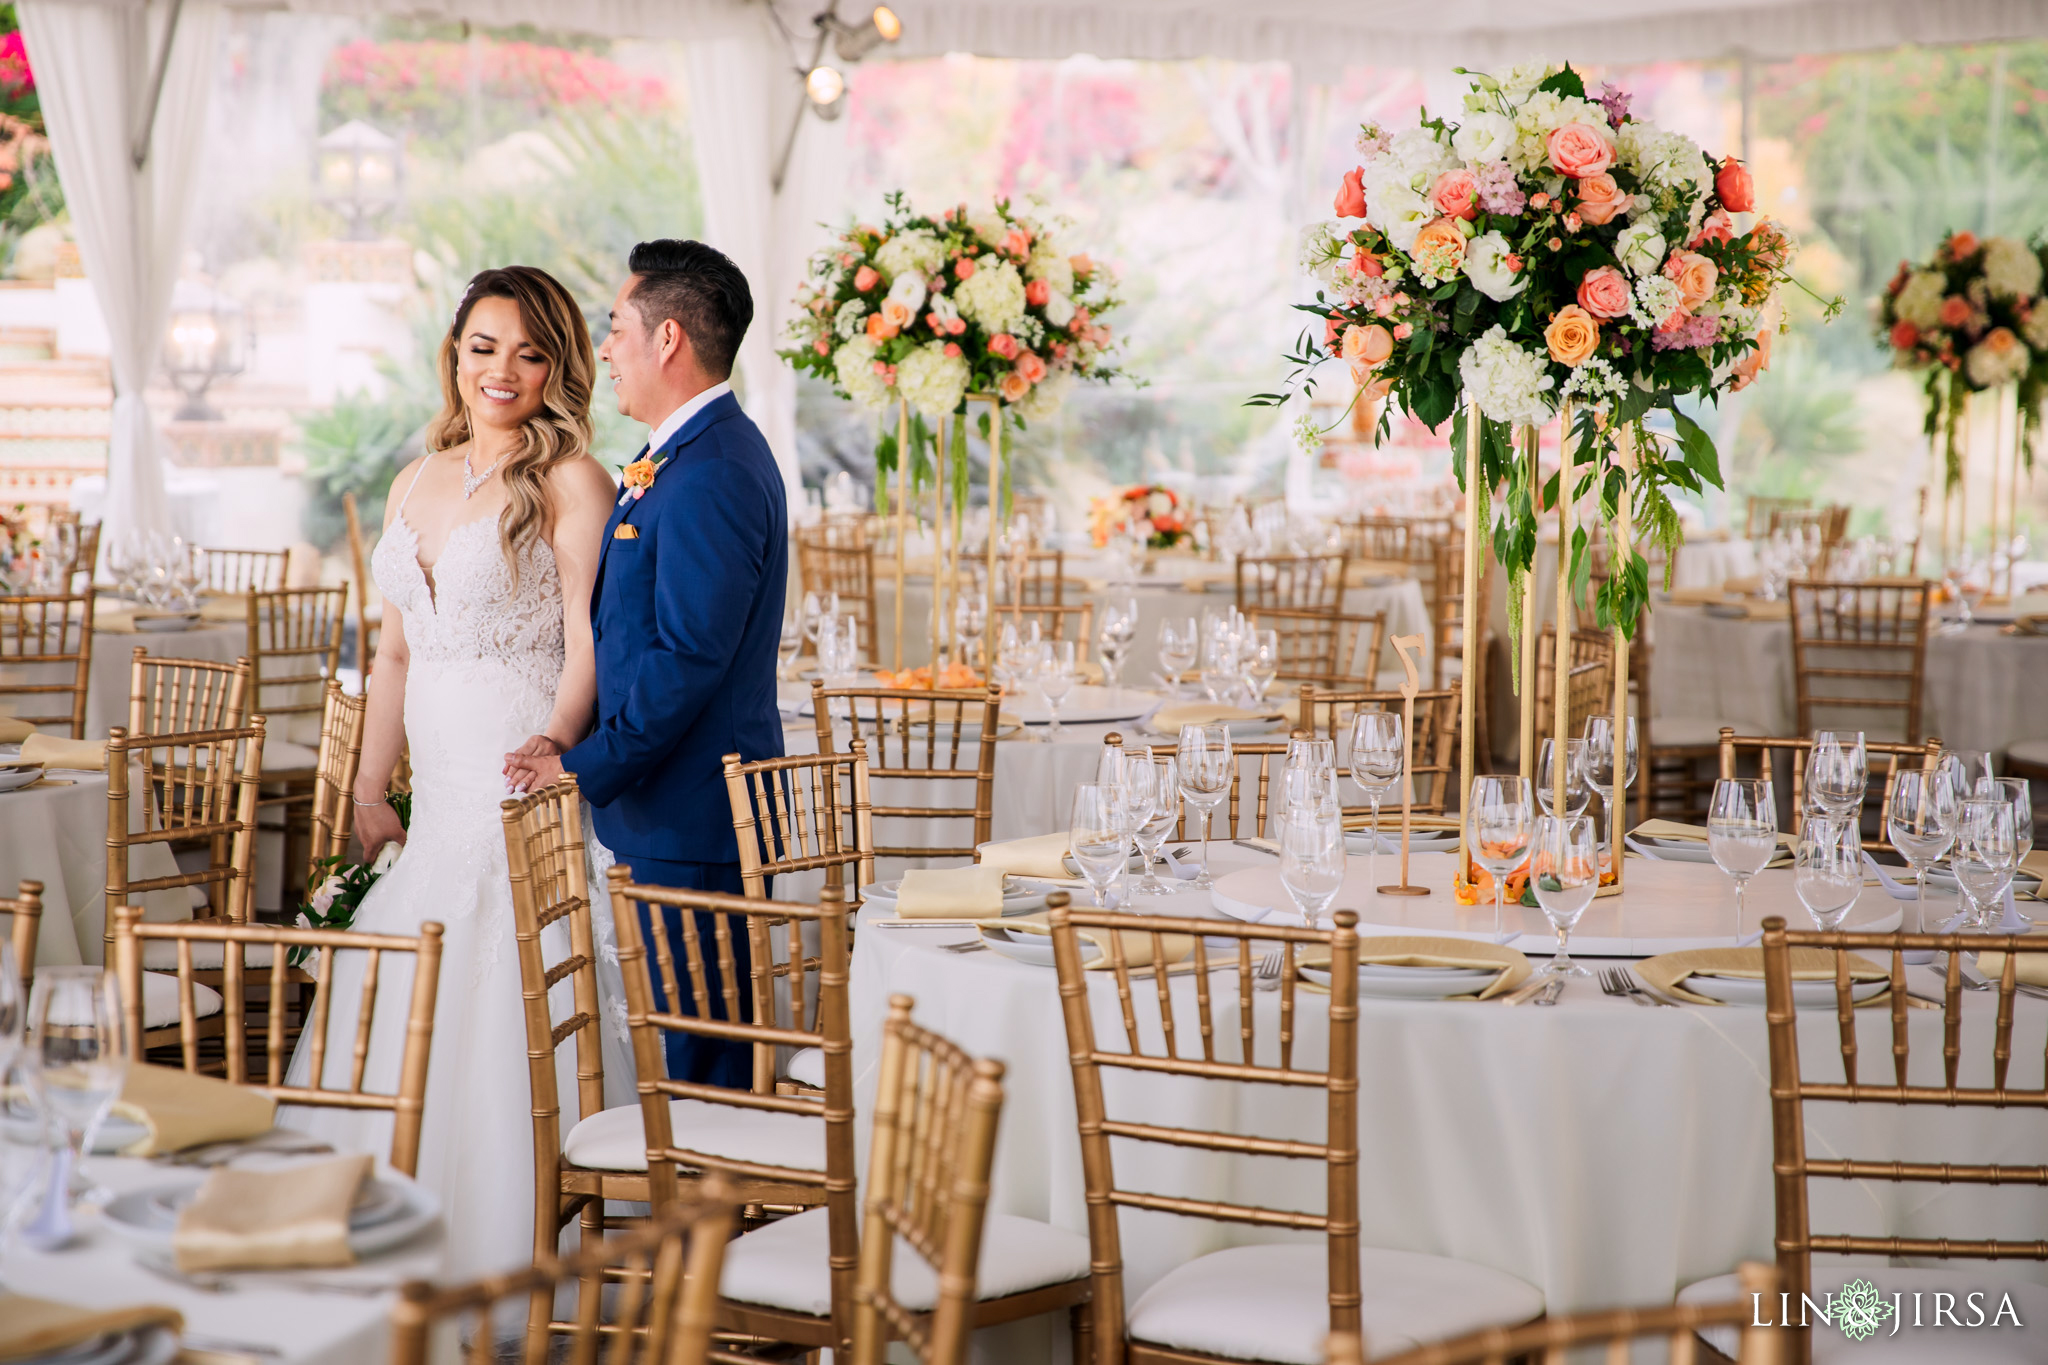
490, 546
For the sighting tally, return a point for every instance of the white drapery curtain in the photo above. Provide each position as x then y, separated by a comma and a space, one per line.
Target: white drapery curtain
743, 94
93, 65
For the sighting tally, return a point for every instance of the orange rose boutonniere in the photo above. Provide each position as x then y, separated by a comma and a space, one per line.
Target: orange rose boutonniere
638, 477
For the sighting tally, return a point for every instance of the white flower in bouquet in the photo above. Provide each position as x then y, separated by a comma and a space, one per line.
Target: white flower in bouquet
932, 381
990, 227
855, 365
1483, 137
386, 856
1656, 298
1640, 249
2035, 328
1322, 252
2011, 271
1048, 264
1419, 157
849, 323
1486, 265
913, 252
1920, 301
2000, 358
1030, 331
1400, 213
1522, 79
1506, 380
323, 899
1046, 398
1059, 309
942, 306
992, 296
908, 290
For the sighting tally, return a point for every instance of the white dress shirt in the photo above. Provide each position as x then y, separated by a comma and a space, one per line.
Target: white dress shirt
673, 423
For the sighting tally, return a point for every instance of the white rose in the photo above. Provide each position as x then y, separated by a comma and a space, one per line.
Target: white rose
1522, 78
1322, 252
1920, 301
1484, 137
386, 856
1640, 249
1486, 265
908, 290
1059, 309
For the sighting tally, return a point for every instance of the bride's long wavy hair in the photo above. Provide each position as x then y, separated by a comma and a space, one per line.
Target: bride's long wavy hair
561, 431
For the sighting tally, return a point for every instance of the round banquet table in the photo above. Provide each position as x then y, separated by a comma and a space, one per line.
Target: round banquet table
113, 661
1603, 1152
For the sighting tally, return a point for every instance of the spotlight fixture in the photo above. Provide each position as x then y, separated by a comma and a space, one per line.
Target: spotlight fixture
854, 41
827, 89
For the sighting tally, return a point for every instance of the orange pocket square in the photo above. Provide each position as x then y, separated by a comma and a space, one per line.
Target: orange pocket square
626, 532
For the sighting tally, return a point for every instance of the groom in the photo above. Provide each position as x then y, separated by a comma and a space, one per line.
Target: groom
686, 612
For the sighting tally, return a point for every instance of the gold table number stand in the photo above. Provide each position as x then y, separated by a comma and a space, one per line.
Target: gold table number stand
1406, 646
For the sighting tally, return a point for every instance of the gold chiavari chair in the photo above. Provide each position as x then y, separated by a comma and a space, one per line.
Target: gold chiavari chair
1905, 1087
1328, 649
26, 915
1329, 713
294, 648
837, 557
1036, 578
1074, 621
1764, 752
366, 648
1261, 793
334, 775
172, 696
657, 1285
1377, 537
1832, 521
1587, 684
803, 813
928, 1170
42, 636
240, 571
1267, 1302
922, 737
1303, 582
236, 943
1551, 1338
1866, 643
1757, 513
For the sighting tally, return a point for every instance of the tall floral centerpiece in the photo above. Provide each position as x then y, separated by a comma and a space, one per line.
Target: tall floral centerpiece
1974, 319
1548, 252
929, 314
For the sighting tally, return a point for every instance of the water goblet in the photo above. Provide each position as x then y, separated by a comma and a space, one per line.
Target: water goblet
1498, 826
1827, 870
1742, 832
1099, 836
1837, 773
1162, 813
1564, 870
1965, 768
1984, 857
1056, 671
1260, 661
2017, 794
1576, 793
970, 620
1600, 774
1115, 633
1377, 762
76, 1056
1206, 767
1312, 859
1922, 827
1177, 641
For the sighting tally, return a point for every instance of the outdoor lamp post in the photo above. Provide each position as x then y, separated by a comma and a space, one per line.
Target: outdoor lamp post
356, 172
204, 344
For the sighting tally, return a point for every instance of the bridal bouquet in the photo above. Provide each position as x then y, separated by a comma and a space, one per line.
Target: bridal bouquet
338, 885
927, 311
1148, 508
1974, 318
1548, 247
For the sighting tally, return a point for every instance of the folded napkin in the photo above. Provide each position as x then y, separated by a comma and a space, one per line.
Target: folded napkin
32, 1328
52, 752
2032, 623
271, 1219
14, 731
1741, 587
2036, 863
183, 1110
951, 893
1424, 950
1390, 822
1760, 610
1672, 829
1042, 855
1667, 971
1137, 946
1168, 719
1359, 570
1695, 597
2033, 968
225, 607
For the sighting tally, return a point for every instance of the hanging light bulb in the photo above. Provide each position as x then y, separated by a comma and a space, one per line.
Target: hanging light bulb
887, 24
852, 42
824, 85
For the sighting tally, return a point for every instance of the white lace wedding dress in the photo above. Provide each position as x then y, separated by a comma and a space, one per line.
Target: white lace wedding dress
486, 656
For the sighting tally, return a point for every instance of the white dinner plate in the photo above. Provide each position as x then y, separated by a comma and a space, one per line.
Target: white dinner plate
1806, 995
2023, 883
13, 778
115, 1132
1035, 949
140, 1217
1419, 841
1086, 704
1697, 851
1020, 895
379, 1201
142, 1346
1410, 983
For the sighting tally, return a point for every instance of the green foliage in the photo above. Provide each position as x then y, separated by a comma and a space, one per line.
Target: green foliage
358, 446
346, 883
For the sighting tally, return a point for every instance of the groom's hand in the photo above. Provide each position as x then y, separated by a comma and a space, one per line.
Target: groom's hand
535, 763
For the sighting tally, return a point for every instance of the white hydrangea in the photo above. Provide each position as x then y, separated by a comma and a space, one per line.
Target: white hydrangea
1046, 397
932, 381
1640, 248
1655, 298
990, 227
2010, 269
1484, 137
1029, 330
2035, 329
855, 365
1522, 79
992, 296
1991, 366
914, 252
1920, 301
1660, 158
1486, 265
1322, 252
1506, 380
1049, 265
849, 320
1059, 309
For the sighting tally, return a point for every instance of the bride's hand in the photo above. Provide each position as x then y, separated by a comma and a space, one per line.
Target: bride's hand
377, 826
535, 745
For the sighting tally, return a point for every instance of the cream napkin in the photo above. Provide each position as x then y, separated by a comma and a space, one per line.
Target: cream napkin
1672, 829
2032, 969
951, 893
1042, 855
117, 622
14, 731
225, 608
1425, 950
1695, 597
1741, 587
1168, 719
1358, 570
33, 1328
1137, 946
1667, 971
2036, 863
53, 752
183, 1110
1390, 822
1760, 610
271, 1219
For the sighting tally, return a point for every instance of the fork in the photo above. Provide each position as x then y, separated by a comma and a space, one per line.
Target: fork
1617, 981
1266, 972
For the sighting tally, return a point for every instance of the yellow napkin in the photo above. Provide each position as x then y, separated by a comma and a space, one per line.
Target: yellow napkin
1168, 719
1137, 946
1042, 855
52, 752
1390, 821
31, 1328
2032, 969
951, 893
271, 1219
1760, 610
1741, 587
225, 608
1426, 950
1359, 570
1694, 597
183, 1110
119, 622
1667, 970
14, 731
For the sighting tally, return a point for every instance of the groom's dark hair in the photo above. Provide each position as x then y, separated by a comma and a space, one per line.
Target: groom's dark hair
699, 287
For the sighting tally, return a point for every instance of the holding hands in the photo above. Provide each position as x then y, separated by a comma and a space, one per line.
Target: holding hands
535, 763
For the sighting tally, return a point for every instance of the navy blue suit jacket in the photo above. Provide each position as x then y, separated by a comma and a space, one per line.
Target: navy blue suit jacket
686, 615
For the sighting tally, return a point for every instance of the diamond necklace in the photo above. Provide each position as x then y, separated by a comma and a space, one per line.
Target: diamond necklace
470, 481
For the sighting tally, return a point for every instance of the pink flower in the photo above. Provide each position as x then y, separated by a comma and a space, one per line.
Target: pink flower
1081, 265
1955, 311
1331, 328
1031, 366
1694, 275
1580, 149
1571, 222
1351, 194
955, 326
1962, 244
1036, 293
1456, 194
822, 346
1402, 331
1013, 386
845, 259
1904, 335
963, 268
1383, 306
866, 278
1514, 264
1004, 345
1753, 363
952, 349
1600, 199
1718, 227
1604, 292
1539, 200
1364, 263
1734, 186
1017, 243
1368, 346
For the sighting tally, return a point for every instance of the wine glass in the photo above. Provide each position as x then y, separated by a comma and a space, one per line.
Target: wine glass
188, 576
1114, 636
1600, 773
1310, 777
1564, 869
1497, 830
1162, 812
77, 1057
1965, 769
1056, 668
1312, 859
1099, 836
1377, 761
1260, 661
1742, 832
1984, 857
1576, 794
2015, 792
1177, 641
1837, 773
812, 611
1206, 764
970, 621
1922, 826
789, 646
1007, 667
1827, 870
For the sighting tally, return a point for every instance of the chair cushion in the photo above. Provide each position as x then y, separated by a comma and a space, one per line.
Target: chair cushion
785, 1264
807, 1066
612, 1140
160, 1000
2034, 751
161, 955
1952, 1345
1272, 1302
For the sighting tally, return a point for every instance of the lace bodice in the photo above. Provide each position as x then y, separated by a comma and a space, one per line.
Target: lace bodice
474, 612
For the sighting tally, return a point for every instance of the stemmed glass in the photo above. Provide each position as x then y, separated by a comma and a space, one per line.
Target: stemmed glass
1206, 761
1984, 857
1312, 858
1837, 773
77, 1057
1600, 766
1922, 827
1099, 836
1056, 668
1564, 869
1260, 661
816, 607
1965, 769
1162, 812
1376, 764
789, 646
1827, 870
1575, 793
1497, 830
1117, 631
2015, 792
1177, 640
1742, 832
970, 620
1310, 777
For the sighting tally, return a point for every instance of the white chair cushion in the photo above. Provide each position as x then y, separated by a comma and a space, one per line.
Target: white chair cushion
160, 1000
807, 1066
1950, 1345
161, 955
786, 1264
2033, 751
1272, 1302
282, 756
1691, 732
613, 1139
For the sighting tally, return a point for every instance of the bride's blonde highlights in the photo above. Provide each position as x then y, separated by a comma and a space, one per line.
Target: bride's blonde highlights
557, 434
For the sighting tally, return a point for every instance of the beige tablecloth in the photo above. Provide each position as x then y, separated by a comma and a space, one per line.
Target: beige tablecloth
113, 662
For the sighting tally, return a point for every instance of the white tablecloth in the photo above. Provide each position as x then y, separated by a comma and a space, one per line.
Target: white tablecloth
113, 669
1701, 564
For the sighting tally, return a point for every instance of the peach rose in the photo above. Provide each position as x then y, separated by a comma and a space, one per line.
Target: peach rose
879, 328
1036, 293
1332, 329
1031, 366
1456, 194
1718, 227
1904, 335
1604, 292
1017, 242
1580, 149
1601, 200
1694, 275
1081, 265
1351, 194
1364, 263
952, 349
963, 268
896, 314
1962, 244
866, 278
639, 474
1004, 345
1753, 363
1439, 248
822, 346
1013, 387
1955, 311
1369, 345
1734, 187
1573, 335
